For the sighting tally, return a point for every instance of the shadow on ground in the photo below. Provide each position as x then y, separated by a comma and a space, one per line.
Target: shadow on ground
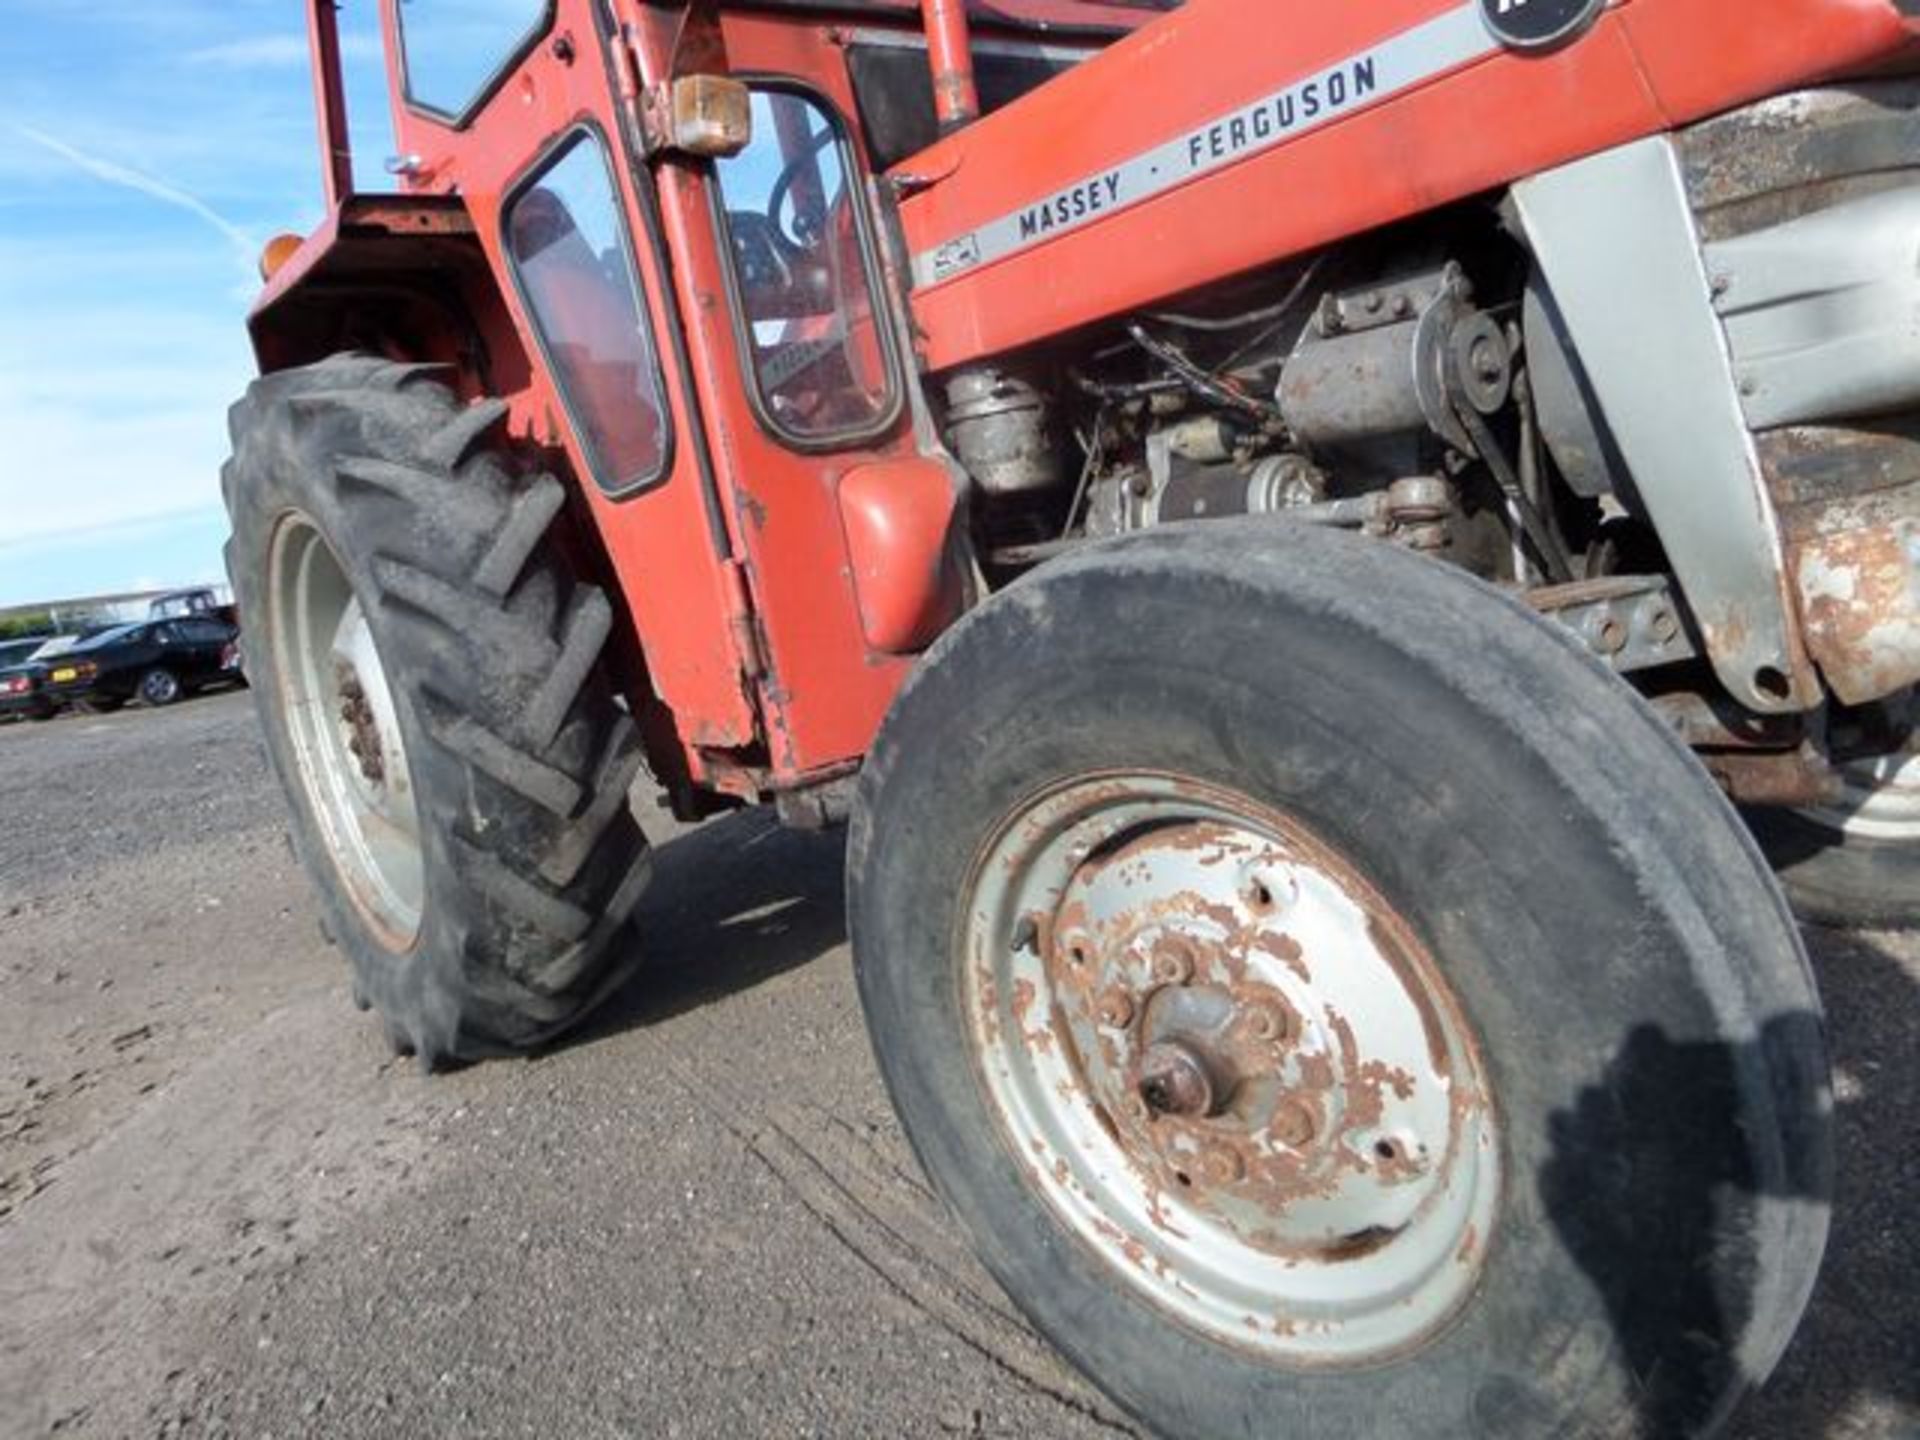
1645, 1180
732, 904
1867, 1306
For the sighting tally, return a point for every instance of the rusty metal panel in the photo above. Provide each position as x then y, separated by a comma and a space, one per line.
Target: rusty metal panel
1849, 499
1859, 592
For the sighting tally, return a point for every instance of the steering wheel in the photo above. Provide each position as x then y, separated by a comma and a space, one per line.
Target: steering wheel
797, 238
760, 254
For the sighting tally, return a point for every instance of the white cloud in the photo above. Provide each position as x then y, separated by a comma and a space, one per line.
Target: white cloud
262, 52
111, 172
114, 398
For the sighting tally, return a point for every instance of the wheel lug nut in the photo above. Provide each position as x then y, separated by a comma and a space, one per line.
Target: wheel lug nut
1294, 1124
1116, 1008
1222, 1165
1267, 1020
1173, 959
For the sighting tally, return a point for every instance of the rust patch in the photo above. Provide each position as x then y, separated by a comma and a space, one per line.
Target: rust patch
1469, 1243
1023, 998
1859, 593
1361, 1242
1286, 950
1775, 777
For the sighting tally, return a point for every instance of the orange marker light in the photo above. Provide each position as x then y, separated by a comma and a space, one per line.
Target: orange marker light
276, 253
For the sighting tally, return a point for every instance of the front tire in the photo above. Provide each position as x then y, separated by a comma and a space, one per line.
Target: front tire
1334, 1006
436, 703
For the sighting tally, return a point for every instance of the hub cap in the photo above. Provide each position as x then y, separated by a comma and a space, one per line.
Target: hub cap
1231, 1068
346, 735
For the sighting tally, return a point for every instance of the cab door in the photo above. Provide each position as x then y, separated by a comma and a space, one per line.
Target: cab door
801, 377
511, 105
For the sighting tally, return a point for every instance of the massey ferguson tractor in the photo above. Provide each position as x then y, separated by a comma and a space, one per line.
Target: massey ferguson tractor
1307, 541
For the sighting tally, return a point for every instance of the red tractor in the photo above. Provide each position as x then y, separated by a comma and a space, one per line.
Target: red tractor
1287, 529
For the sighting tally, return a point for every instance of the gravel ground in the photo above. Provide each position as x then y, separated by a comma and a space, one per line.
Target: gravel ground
225, 1209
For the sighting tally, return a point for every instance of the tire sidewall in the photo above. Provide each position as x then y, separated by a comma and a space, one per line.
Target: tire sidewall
1428, 791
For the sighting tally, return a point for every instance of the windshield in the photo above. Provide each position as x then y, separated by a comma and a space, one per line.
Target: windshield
58, 645
108, 637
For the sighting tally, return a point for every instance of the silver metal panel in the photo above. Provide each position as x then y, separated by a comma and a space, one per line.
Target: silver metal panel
1823, 313
1615, 240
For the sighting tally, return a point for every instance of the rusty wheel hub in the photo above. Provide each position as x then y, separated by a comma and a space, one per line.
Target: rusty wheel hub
1233, 1066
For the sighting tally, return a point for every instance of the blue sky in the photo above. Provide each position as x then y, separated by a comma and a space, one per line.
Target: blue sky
148, 149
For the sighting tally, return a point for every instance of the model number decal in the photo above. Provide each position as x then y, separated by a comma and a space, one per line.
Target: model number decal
1394, 65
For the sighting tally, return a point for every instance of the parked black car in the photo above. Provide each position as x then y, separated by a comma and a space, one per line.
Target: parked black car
21, 681
155, 661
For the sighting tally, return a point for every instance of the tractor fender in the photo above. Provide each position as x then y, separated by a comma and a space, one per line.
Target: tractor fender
397, 275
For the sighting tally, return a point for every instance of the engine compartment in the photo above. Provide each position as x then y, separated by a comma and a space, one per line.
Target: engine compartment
1421, 386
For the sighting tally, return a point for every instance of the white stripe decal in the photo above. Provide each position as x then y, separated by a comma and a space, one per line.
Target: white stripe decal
1406, 60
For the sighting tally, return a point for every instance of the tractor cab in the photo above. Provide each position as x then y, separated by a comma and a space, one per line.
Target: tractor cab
652, 231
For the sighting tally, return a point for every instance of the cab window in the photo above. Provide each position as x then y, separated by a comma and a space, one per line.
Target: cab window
454, 49
571, 254
820, 357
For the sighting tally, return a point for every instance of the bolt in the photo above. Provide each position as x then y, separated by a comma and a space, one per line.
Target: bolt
1174, 1081
1373, 302
1173, 959
1663, 626
1294, 1124
1486, 361
1611, 637
1402, 306
1116, 1009
1267, 1020
1222, 1165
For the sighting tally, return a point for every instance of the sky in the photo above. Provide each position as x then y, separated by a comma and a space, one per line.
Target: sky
148, 150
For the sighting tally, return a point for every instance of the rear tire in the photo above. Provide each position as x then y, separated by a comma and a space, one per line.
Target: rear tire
1855, 865
479, 870
1617, 956
159, 686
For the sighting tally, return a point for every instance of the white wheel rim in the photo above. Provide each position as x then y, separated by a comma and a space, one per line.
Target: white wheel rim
1230, 1068
349, 750
1880, 798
